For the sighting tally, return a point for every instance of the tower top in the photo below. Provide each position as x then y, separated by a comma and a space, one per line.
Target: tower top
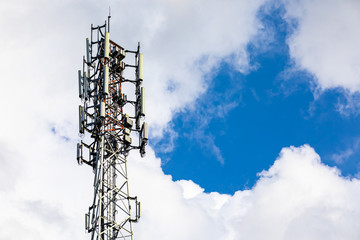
109, 19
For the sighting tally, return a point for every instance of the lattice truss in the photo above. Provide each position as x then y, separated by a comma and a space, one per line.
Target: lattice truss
110, 133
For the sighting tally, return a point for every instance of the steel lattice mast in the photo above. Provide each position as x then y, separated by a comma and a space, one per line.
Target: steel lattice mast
102, 115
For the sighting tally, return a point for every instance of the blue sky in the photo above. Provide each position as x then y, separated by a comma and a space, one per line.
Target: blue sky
267, 109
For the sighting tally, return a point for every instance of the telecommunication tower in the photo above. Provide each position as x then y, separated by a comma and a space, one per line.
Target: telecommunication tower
110, 132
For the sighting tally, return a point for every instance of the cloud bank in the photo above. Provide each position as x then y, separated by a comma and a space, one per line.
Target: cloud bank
297, 198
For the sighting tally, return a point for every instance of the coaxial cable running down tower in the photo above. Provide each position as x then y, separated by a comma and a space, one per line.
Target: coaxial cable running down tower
110, 132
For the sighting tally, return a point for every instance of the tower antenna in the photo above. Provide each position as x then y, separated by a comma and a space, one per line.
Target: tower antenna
105, 117
109, 20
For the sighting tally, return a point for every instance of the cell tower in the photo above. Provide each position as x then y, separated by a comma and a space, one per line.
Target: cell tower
110, 132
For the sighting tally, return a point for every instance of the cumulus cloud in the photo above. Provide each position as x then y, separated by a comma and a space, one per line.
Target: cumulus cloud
297, 198
304, 199
184, 42
325, 41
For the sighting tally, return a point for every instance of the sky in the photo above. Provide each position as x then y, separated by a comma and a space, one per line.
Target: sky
272, 106
252, 108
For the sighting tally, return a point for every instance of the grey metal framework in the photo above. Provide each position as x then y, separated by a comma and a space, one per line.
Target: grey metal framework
110, 132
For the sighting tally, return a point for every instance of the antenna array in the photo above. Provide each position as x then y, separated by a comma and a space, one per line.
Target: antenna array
110, 131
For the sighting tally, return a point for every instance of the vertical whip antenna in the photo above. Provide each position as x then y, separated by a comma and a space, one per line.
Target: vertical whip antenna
109, 20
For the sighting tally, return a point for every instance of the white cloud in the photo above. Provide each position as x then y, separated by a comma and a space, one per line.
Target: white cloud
340, 157
300, 198
183, 42
349, 104
325, 41
297, 198
190, 189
